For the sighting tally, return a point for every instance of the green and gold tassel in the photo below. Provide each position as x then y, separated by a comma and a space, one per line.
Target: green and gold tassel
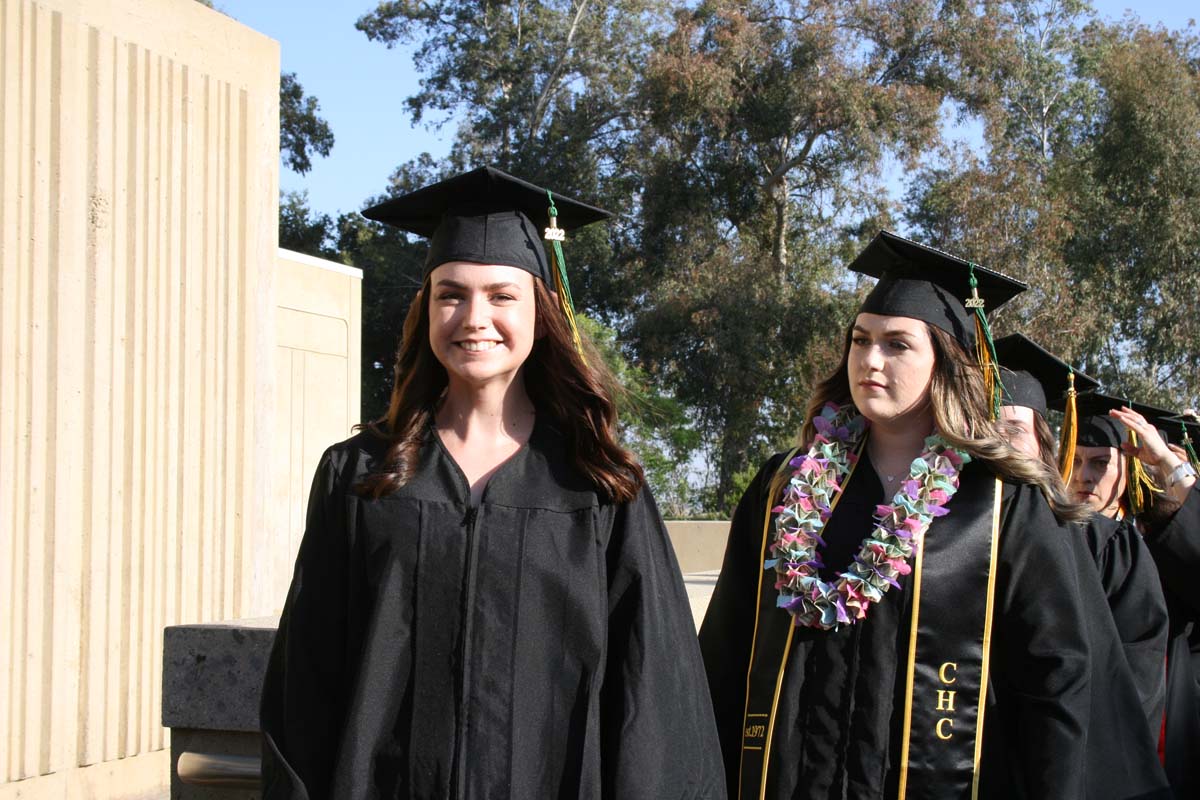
1069, 432
562, 287
985, 348
1139, 486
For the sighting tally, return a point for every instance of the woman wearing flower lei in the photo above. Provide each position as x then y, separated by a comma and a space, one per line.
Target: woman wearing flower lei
898, 613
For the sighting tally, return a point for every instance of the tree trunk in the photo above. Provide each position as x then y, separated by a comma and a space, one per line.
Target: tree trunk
779, 253
729, 462
741, 415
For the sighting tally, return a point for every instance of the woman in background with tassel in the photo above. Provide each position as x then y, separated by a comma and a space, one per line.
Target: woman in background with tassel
1129, 642
899, 614
485, 601
1166, 501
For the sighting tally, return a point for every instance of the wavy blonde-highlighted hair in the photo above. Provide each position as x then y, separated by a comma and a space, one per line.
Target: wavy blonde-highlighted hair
961, 415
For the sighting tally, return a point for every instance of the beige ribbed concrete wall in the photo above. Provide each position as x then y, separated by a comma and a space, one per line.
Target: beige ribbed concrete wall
137, 246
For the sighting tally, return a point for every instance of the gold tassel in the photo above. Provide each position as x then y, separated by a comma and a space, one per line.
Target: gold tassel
985, 350
1140, 487
564, 301
991, 374
1069, 432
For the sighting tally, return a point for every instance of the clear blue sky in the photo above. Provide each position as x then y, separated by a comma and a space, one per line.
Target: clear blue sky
361, 86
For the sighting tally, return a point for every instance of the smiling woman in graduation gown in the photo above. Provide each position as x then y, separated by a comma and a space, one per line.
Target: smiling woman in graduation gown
971, 676
538, 644
527, 637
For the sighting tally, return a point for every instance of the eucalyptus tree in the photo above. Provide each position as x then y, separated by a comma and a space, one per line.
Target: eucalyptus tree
770, 123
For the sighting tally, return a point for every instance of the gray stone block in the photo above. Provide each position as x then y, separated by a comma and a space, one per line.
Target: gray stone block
213, 673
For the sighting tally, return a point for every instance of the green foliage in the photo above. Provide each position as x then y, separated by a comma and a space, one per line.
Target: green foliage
302, 133
653, 424
1087, 190
303, 230
1138, 222
743, 144
544, 90
768, 123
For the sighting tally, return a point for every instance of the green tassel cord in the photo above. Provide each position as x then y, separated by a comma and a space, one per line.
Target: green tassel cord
985, 348
562, 287
1187, 445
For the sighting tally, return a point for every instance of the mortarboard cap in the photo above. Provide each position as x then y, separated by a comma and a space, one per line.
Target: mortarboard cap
1160, 418
1095, 404
1096, 427
1186, 422
485, 216
927, 284
1188, 425
1020, 388
1039, 379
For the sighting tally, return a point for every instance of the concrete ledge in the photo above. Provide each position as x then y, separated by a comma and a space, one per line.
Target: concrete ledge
212, 674
699, 545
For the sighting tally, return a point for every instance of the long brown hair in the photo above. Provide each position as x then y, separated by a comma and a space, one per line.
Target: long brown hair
1047, 442
961, 413
575, 395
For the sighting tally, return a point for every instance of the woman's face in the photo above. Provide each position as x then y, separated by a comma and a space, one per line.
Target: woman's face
1022, 435
482, 321
1098, 478
890, 367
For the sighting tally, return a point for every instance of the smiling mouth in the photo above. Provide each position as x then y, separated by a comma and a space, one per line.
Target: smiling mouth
476, 347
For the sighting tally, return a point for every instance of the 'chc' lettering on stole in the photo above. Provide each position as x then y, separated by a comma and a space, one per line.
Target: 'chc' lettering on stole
944, 727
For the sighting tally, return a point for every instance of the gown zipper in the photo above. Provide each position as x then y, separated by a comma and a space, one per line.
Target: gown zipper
465, 677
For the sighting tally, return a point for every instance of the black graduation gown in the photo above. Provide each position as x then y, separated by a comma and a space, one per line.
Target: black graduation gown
1135, 598
838, 723
539, 645
1176, 550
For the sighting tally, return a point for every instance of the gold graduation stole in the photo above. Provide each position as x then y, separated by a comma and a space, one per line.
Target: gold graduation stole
946, 674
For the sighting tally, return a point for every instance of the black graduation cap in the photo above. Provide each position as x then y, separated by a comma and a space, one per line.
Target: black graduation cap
1188, 426
1160, 419
1187, 421
1036, 378
1098, 429
930, 285
485, 216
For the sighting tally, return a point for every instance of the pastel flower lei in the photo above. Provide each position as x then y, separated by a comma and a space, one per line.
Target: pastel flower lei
899, 527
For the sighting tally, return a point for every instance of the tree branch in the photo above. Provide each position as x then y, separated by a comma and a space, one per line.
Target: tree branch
538, 112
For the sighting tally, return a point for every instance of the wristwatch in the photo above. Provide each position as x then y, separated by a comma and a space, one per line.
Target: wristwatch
1184, 470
